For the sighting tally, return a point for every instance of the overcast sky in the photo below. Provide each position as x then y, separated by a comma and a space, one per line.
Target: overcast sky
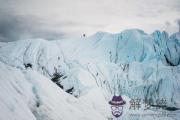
55, 19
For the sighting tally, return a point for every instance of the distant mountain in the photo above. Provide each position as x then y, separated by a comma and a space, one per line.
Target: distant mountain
131, 63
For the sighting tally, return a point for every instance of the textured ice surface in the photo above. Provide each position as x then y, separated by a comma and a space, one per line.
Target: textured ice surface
131, 63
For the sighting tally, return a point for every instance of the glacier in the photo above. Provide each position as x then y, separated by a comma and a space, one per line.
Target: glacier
92, 69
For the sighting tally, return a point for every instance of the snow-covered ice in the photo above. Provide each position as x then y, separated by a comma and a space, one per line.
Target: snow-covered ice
131, 63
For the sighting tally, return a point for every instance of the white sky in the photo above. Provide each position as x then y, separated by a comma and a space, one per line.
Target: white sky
76, 17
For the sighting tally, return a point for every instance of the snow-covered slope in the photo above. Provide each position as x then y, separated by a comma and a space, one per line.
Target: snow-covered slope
40, 53
127, 46
131, 63
27, 95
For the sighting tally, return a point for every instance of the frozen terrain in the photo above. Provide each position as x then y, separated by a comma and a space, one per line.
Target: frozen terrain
75, 78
